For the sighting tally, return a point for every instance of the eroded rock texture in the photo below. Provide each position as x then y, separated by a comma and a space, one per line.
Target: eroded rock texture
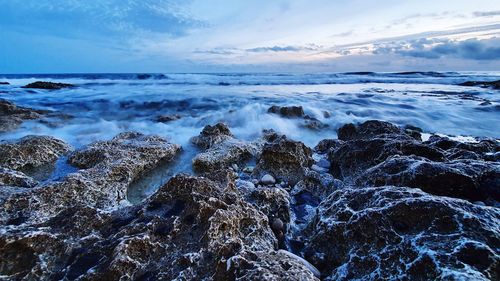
34, 156
284, 159
108, 168
377, 153
222, 150
401, 233
191, 229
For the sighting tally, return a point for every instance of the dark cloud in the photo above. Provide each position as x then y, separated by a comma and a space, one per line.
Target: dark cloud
486, 14
472, 49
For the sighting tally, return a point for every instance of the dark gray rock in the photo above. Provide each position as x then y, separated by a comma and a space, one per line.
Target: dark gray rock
287, 111
211, 135
33, 155
466, 179
108, 169
482, 84
402, 233
191, 228
285, 160
48, 85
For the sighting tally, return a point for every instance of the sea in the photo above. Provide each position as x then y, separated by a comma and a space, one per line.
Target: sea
103, 105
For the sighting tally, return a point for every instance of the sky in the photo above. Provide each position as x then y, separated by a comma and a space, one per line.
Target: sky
85, 36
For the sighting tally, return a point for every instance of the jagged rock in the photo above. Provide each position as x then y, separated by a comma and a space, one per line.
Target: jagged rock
327, 145
287, 111
109, 167
280, 265
284, 159
224, 155
482, 84
14, 178
275, 204
11, 116
466, 179
368, 130
33, 155
402, 233
269, 266
48, 85
190, 229
211, 135
353, 157
483, 149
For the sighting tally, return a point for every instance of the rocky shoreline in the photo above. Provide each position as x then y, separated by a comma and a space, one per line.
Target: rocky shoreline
377, 202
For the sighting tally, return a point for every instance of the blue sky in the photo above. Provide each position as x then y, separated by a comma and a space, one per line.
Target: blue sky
56, 36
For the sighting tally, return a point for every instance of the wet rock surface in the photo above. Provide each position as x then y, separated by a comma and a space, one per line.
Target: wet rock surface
107, 170
47, 85
32, 155
221, 150
211, 135
11, 115
467, 179
287, 111
402, 233
377, 203
285, 160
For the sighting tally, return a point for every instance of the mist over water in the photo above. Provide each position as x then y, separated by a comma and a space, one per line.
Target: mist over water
103, 105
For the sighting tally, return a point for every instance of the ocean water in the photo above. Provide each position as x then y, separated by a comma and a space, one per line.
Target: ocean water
103, 105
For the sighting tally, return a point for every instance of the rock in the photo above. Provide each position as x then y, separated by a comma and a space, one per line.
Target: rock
275, 204
47, 85
245, 186
482, 84
167, 118
483, 149
108, 169
211, 135
267, 266
33, 155
287, 111
309, 266
14, 178
327, 145
191, 228
284, 159
313, 124
353, 157
319, 169
224, 155
402, 233
4, 83
367, 130
267, 179
466, 179
11, 116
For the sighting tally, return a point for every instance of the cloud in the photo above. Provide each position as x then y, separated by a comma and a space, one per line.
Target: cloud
105, 17
486, 14
471, 49
311, 47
